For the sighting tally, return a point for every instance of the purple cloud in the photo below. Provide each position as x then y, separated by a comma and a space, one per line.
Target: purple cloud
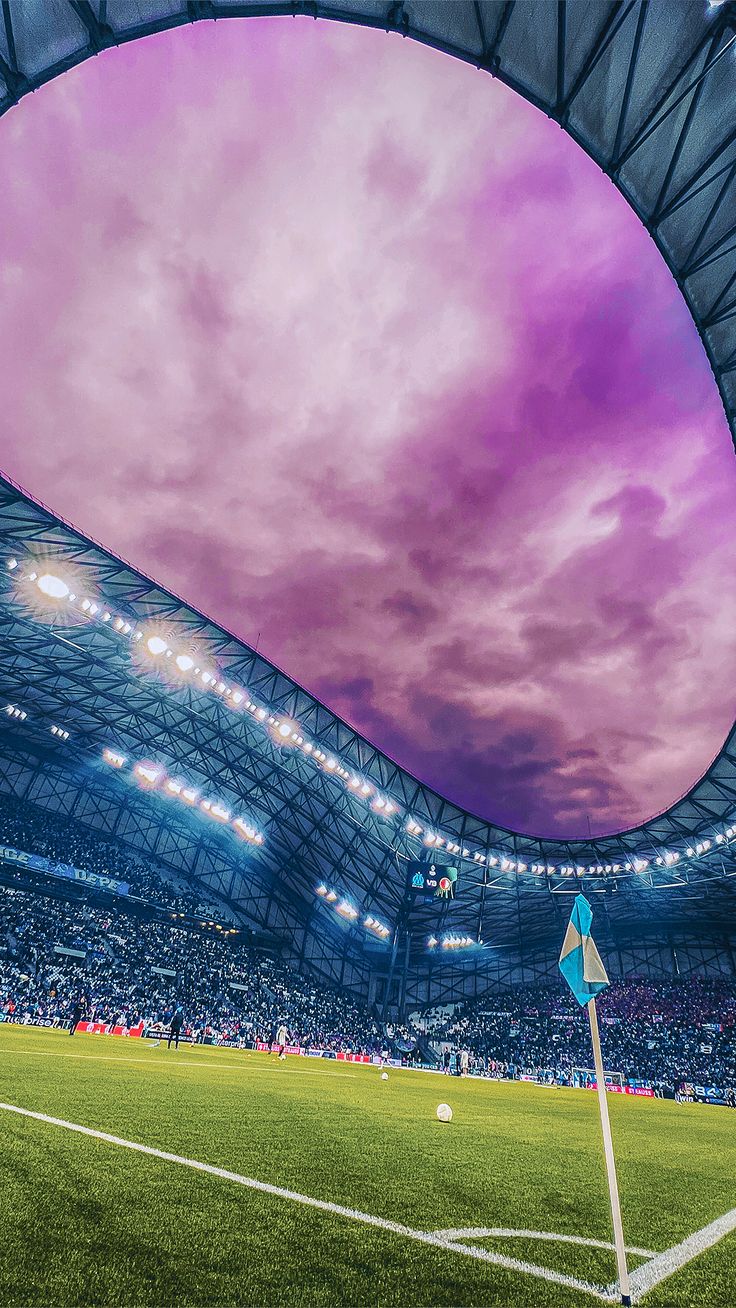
355, 350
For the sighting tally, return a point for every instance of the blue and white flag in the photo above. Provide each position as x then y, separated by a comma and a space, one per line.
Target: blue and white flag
580, 963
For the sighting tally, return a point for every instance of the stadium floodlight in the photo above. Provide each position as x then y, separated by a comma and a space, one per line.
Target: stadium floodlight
237, 696
12, 565
432, 942
112, 757
322, 890
149, 774
247, 830
331, 896
190, 795
53, 586
156, 645
173, 787
347, 910
184, 662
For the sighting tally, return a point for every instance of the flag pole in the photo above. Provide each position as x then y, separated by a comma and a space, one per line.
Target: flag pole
618, 1230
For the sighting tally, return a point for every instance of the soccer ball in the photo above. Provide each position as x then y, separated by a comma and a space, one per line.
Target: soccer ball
444, 1112
384, 1076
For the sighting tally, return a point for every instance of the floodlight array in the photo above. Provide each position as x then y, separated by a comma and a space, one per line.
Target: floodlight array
347, 910
154, 777
182, 664
452, 941
378, 928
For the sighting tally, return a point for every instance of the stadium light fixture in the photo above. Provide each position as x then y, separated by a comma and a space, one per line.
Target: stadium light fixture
148, 774
52, 586
115, 759
155, 644
184, 662
331, 896
12, 565
248, 831
347, 910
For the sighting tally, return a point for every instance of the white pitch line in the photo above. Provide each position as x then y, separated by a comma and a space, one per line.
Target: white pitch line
507, 1232
665, 1264
336, 1210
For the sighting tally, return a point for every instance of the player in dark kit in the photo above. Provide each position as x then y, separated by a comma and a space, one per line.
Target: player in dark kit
175, 1026
77, 1015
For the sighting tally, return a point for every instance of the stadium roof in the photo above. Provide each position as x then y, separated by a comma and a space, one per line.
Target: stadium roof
188, 745
647, 89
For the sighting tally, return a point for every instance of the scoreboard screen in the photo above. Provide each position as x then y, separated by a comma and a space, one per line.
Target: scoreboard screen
432, 880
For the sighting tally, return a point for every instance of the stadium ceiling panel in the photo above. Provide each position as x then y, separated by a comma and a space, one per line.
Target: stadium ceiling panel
646, 87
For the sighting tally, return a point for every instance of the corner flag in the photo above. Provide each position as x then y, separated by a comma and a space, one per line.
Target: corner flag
580, 963
582, 967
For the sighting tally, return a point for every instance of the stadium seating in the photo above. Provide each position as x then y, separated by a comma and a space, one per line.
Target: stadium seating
664, 1032
131, 967
221, 984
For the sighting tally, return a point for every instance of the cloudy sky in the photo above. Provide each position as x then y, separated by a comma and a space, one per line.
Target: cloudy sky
358, 352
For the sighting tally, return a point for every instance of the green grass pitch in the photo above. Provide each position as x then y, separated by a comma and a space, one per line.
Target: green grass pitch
85, 1221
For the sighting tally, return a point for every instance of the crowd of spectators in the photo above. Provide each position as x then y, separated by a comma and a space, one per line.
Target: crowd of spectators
132, 969
661, 1032
127, 968
25, 827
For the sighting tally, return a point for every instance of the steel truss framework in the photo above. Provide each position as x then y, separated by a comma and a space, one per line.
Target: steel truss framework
646, 87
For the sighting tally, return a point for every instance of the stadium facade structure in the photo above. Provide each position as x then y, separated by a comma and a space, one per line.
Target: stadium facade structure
647, 88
